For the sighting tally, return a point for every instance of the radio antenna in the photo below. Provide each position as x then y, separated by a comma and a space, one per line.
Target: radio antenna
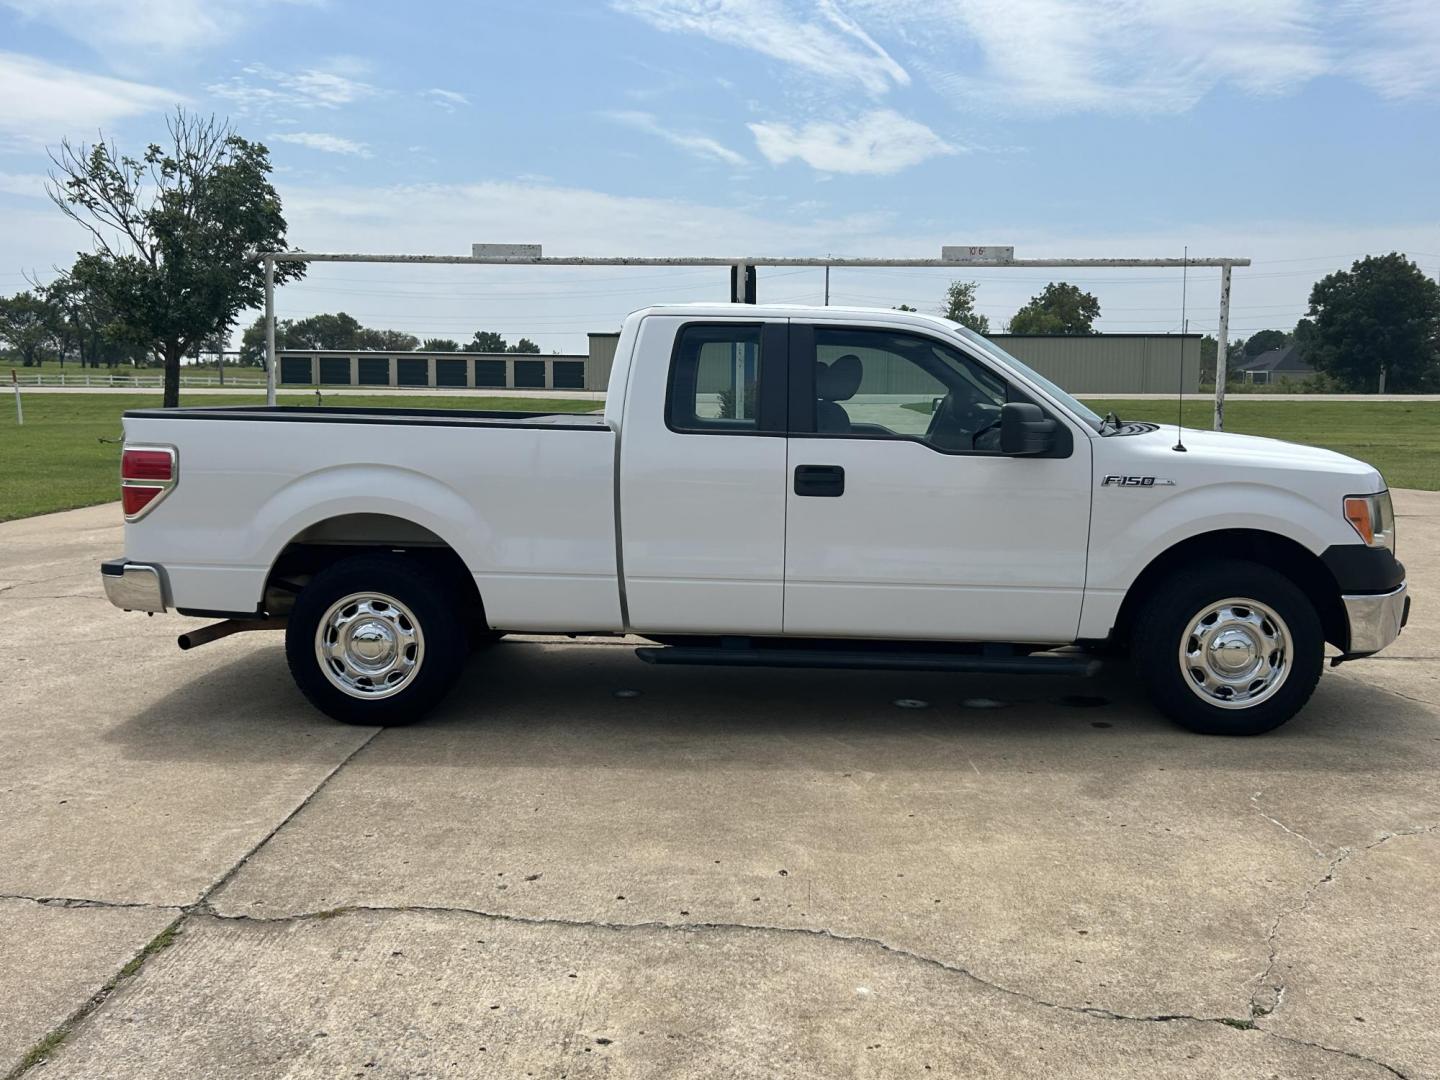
1184, 325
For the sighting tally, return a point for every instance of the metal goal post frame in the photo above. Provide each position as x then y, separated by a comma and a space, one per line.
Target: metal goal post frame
743, 288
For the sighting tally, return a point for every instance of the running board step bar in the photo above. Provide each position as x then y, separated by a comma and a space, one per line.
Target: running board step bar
877, 660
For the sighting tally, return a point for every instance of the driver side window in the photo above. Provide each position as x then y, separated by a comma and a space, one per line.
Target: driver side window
883, 384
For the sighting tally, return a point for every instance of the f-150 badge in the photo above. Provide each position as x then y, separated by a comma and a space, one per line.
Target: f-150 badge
1136, 481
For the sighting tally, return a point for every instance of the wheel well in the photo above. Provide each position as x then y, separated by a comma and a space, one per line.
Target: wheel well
325, 542
1279, 553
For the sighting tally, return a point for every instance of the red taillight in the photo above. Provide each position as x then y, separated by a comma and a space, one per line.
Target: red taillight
152, 465
135, 499
147, 473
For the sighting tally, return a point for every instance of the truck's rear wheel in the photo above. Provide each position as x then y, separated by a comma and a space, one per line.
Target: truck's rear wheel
1229, 648
374, 640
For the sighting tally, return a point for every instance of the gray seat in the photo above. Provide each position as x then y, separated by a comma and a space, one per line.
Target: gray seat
835, 382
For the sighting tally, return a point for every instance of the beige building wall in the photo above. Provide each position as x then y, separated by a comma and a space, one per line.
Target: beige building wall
1110, 363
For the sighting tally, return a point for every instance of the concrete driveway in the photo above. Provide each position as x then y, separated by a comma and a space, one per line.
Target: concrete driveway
730, 874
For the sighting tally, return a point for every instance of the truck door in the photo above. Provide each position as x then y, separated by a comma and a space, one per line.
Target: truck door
702, 476
904, 520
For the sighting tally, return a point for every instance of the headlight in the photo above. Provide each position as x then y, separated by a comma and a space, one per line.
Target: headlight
1372, 517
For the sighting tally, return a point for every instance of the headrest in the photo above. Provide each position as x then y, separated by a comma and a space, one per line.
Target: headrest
839, 379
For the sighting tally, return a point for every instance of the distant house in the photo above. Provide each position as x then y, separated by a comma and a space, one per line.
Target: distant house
1277, 365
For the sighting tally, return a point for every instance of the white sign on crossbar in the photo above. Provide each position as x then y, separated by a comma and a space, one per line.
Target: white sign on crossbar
505, 251
990, 253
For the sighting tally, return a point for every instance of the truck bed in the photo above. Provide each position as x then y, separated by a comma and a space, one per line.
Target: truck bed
527, 500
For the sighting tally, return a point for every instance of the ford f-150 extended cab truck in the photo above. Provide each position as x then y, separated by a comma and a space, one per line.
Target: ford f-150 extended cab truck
768, 486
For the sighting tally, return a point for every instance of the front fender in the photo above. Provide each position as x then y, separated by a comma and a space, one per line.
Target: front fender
1128, 535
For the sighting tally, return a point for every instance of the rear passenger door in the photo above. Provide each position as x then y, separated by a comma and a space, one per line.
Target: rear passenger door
703, 478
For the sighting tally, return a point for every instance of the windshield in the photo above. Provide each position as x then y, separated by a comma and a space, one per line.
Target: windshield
1088, 415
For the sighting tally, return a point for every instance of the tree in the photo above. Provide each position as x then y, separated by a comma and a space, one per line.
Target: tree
436, 344
1377, 325
338, 331
1233, 355
524, 345
1262, 341
27, 326
959, 306
486, 341
176, 233
1060, 308
85, 318
388, 340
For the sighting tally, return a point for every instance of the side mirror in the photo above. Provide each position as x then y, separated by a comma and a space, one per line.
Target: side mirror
1025, 429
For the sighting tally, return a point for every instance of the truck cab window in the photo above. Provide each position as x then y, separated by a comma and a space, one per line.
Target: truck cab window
715, 379
884, 384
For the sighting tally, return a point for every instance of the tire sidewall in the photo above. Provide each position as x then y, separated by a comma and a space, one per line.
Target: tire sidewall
409, 582
1165, 619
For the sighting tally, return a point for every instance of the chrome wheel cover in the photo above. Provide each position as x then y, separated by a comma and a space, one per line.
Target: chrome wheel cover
1236, 653
369, 645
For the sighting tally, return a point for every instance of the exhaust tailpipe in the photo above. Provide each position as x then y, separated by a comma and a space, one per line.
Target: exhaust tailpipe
215, 631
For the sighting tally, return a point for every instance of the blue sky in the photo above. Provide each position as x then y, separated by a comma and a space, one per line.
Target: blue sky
1299, 133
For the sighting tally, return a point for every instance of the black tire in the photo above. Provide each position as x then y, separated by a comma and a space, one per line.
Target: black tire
440, 653
1164, 623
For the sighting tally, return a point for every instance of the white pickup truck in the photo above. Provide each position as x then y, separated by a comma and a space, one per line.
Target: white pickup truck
781, 486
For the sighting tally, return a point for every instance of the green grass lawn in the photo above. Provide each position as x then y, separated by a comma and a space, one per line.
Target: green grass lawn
56, 461
1400, 438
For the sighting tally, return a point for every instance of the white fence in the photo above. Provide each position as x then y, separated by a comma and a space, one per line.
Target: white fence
251, 380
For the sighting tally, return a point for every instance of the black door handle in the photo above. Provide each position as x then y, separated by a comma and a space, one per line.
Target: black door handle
820, 481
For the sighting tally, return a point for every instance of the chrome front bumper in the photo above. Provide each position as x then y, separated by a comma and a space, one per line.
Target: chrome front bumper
1375, 620
133, 586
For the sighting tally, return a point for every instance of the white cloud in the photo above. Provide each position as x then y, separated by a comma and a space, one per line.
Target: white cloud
1058, 56
1397, 42
118, 27
821, 41
1106, 55
319, 140
881, 141
260, 90
701, 146
448, 100
168, 25
45, 102
25, 184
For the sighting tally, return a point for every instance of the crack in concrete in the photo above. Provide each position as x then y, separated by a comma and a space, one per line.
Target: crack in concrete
202, 908
53, 1039
1255, 801
87, 902
1269, 995
1093, 1012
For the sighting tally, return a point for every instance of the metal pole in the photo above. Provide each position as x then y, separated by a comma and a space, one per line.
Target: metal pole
827, 285
1222, 347
269, 330
19, 412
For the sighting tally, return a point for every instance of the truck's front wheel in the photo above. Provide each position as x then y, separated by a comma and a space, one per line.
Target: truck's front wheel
373, 640
1229, 648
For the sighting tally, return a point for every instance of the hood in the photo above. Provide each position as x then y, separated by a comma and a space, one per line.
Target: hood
1254, 451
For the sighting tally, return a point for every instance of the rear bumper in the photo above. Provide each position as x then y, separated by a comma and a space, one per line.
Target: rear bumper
1375, 619
133, 586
